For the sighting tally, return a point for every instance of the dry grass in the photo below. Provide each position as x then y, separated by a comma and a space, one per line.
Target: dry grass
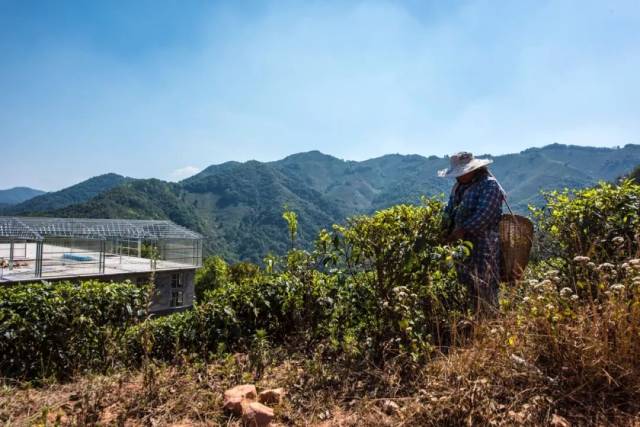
480, 385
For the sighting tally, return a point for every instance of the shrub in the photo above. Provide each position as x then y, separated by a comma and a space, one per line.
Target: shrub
200, 331
213, 274
399, 289
602, 222
57, 329
229, 317
377, 287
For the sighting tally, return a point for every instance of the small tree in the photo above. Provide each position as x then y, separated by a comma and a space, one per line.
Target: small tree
292, 221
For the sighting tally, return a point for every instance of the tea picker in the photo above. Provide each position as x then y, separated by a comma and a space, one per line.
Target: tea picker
474, 214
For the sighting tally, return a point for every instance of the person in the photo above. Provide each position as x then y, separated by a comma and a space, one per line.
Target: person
473, 214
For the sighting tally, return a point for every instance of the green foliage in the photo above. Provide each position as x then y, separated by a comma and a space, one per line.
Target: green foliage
138, 199
381, 286
399, 279
602, 222
149, 251
200, 331
213, 274
376, 288
292, 222
242, 271
57, 329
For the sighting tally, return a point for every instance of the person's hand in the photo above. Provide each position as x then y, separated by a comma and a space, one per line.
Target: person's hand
455, 235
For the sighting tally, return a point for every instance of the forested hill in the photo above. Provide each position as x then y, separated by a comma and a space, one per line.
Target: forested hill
238, 206
77, 193
17, 195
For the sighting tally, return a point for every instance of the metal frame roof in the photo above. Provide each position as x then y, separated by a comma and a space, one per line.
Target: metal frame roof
14, 228
34, 228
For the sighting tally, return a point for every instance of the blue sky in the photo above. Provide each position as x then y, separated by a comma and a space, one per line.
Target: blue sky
165, 88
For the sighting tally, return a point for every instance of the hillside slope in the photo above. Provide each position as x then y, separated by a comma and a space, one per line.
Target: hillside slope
245, 202
77, 193
146, 199
238, 206
13, 196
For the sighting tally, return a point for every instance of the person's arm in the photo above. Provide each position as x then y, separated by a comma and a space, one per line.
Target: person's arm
448, 220
455, 235
489, 206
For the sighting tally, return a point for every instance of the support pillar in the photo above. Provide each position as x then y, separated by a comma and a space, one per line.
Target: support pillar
39, 254
155, 251
102, 258
11, 255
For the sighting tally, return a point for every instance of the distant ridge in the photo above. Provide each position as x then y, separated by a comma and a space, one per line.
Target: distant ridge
238, 206
15, 195
78, 193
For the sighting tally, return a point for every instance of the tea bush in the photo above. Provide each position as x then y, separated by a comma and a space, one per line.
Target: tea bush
229, 316
57, 329
200, 331
377, 287
399, 290
602, 222
212, 275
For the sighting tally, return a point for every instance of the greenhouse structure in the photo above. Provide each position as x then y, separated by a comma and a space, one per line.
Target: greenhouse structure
55, 249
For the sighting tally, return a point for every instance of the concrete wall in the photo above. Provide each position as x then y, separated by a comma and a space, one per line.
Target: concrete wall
167, 289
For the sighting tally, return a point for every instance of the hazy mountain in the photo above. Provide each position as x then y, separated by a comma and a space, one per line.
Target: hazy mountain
78, 193
238, 206
13, 196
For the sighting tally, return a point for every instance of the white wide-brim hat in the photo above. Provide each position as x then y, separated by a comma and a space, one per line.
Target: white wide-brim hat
462, 164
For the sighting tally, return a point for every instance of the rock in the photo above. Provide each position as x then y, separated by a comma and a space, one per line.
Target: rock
234, 397
272, 396
255, 414
390, 407
558, 421
247, 391
233, 405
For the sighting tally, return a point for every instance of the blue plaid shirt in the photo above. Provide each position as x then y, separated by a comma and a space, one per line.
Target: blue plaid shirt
476, 207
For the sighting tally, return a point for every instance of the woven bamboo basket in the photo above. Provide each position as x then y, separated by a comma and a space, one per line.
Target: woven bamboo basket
516, 238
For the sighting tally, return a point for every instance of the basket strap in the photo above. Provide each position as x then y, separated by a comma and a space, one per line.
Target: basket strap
504, 197
504, 193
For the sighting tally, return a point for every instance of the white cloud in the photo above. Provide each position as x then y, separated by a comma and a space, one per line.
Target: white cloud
182, 173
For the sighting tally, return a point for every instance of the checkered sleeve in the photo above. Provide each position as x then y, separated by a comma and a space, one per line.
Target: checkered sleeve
448, 217
488, 209
448, 209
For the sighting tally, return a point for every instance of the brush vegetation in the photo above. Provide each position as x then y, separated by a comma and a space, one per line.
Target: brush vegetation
371, 314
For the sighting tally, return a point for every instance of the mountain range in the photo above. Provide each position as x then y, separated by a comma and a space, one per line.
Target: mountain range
238, 206
13, 196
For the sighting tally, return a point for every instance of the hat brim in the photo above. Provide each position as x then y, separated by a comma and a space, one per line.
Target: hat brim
463, 170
